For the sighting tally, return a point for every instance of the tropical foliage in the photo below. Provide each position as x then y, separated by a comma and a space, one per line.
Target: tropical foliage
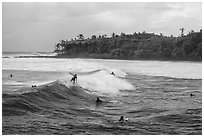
134, 46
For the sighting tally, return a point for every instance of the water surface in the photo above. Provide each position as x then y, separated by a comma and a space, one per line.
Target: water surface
153, 95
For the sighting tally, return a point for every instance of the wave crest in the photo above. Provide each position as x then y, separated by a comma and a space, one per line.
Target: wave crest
100, 81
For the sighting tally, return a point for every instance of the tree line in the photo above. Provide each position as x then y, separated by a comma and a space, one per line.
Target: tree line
145, 46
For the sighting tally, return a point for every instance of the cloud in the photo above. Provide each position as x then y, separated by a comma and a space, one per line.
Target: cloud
179, 15
37, 26
118, 21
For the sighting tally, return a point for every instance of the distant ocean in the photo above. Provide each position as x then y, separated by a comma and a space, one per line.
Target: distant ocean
20, 54
155, 97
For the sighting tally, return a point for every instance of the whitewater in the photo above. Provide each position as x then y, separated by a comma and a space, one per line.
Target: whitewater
153, 95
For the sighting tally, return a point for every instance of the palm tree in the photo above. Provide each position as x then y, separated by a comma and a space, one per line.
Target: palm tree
80, 36
192, 31
182, 30
113, 35
93, 37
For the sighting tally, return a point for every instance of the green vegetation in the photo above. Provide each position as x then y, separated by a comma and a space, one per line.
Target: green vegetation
146, 46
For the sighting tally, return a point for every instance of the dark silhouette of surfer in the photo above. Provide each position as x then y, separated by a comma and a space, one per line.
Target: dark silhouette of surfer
121, 119
34, 86
113, 73
191, 94
74, 79
98, 100
11, 75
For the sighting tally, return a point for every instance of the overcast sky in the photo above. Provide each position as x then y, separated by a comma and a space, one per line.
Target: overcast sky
38, 26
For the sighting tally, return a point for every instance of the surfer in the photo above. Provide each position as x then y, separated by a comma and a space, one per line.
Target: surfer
98, 100
113, 73
11, 75
191, 94
34, 86
74, 78
122, 119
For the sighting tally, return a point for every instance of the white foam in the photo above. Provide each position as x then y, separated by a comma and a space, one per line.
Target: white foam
12, 83
91, 75
180, 69
60, 65
101, 82
48, 64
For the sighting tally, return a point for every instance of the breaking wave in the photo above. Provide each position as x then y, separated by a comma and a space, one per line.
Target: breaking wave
44, 98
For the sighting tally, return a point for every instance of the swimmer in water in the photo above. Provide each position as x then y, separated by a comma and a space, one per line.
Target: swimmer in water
98, 100
191, 94
122, 119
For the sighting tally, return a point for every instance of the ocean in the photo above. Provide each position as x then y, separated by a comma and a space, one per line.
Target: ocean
154, 97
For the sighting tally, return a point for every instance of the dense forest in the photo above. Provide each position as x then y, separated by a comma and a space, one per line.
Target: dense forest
140, 46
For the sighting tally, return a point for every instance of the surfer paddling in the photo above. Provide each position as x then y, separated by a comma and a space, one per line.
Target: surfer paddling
122, 119
191, 94
98, 100
74, 78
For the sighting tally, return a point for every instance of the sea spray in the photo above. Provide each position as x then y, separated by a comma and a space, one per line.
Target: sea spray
101, 82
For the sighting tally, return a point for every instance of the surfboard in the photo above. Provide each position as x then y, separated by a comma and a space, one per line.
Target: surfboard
71, 73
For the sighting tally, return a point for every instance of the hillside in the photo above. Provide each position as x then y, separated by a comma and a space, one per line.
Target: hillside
145, 46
